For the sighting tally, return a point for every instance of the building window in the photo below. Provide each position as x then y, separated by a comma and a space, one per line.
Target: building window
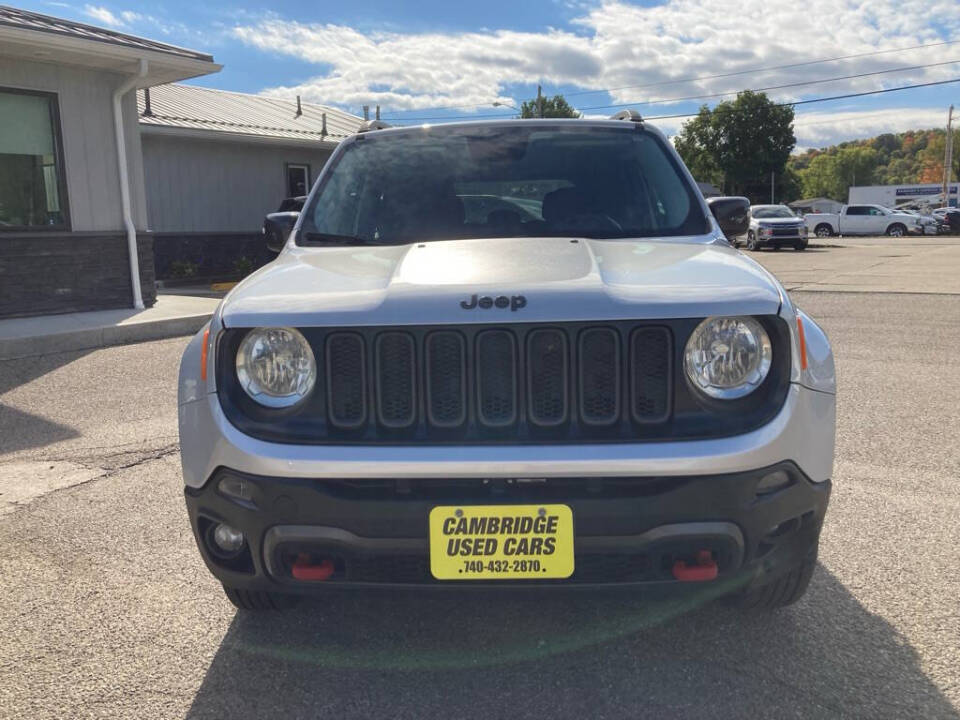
298, 180
32, 191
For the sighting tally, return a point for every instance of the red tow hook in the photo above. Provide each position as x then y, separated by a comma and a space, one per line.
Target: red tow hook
703, 571
305, 569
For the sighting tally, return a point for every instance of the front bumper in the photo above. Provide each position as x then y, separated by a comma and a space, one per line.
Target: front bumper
627, 530
781, 240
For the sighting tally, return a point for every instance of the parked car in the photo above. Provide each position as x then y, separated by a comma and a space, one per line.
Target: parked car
775, 226
928, 224
863, 220
949, 218
605, 393
277, 225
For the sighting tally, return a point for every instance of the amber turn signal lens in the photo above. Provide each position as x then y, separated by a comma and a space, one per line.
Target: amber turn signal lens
203, 354
803, 344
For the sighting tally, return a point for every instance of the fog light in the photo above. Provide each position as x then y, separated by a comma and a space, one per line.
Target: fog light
228, 539
771, 482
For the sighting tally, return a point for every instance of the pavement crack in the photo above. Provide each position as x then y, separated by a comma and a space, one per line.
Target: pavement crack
138, 458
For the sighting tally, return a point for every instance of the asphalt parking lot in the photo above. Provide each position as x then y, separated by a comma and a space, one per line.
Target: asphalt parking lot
108, 611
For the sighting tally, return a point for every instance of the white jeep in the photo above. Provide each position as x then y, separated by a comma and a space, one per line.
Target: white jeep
510, 354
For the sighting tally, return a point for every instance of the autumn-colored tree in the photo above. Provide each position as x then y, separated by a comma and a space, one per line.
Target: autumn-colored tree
914, 156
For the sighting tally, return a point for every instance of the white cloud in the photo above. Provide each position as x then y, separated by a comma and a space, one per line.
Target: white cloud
819, 129
102, 14
130, 16
615, 45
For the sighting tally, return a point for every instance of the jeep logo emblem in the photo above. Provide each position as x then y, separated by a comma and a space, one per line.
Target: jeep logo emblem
485, 302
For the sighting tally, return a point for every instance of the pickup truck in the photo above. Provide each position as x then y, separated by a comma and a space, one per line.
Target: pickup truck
863, 220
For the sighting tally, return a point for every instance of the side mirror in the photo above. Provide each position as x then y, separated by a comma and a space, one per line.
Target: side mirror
732, 214
277, 227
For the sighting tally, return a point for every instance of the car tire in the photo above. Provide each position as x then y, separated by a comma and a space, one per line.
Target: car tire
800, 246
783, 591
823, 230
775, 248
752, 244
896, 230
259, 600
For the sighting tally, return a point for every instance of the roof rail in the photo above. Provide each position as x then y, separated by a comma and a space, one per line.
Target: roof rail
369, 125
630, 114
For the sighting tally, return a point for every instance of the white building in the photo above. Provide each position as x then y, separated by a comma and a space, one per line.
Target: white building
895, 195
113, 175
816, 205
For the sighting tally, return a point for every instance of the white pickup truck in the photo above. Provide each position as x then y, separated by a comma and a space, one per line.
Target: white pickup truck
863, 220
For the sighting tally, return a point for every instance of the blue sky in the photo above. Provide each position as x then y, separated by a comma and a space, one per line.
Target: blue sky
439, 59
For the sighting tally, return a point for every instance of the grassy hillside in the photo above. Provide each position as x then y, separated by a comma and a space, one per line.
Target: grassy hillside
915, 156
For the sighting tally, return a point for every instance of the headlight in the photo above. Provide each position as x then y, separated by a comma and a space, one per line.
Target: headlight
728, 357
276, 367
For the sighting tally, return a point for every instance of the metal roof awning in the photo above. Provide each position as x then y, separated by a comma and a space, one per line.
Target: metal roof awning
186, 110
43, 38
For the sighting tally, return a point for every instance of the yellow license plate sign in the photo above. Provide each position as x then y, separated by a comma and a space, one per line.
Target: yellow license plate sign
501, 542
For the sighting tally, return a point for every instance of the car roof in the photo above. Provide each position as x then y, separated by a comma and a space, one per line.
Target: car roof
401, 131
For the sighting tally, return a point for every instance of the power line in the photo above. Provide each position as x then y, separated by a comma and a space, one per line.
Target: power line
780, 104
762, 69
773, 87
709, 96
825, 99
702, 77
799, 122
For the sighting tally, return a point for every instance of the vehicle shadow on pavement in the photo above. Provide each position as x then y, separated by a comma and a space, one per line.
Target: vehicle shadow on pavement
565, 654
21, 430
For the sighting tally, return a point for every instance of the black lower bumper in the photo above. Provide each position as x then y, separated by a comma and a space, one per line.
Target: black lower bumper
782, 242
627, 530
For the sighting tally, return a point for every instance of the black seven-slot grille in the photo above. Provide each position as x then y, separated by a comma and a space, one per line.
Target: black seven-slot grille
524, 383
496, 381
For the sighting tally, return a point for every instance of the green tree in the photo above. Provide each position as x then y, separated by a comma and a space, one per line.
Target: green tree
855, 166
914, 156
555, 107
820, 179
695, 143
745, 140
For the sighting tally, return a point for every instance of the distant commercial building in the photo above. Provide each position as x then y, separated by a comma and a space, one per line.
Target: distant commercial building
896, 195
816, 205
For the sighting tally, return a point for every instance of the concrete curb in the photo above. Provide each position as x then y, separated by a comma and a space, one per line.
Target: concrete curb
98, 337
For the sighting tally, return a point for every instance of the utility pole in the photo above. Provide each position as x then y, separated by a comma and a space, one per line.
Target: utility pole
771, 188
539, 102
948, 159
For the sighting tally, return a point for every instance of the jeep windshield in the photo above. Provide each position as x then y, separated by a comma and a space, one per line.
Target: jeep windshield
522, 180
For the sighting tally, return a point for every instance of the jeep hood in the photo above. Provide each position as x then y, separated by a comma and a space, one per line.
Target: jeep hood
560, 279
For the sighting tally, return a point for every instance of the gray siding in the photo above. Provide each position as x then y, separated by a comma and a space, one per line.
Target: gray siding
89, 147
212, 186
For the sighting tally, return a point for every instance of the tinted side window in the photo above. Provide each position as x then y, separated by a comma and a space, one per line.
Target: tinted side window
857, 210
